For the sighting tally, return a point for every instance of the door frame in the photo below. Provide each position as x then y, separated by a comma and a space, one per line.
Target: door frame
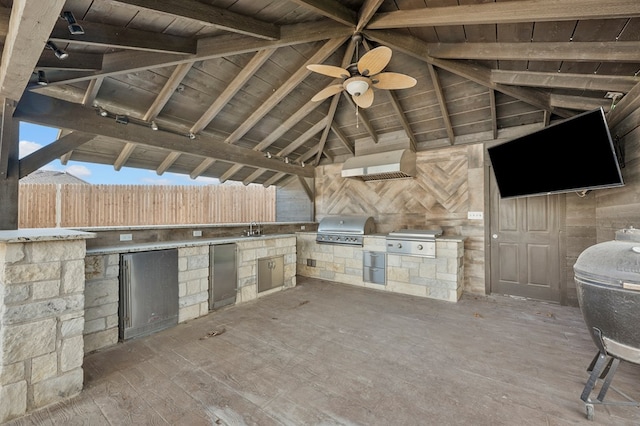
564, 272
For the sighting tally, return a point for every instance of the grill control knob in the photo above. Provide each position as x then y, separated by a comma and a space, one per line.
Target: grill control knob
420, 247
399, 245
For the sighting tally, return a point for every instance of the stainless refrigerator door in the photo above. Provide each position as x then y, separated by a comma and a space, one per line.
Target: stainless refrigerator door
223, 277
148, 292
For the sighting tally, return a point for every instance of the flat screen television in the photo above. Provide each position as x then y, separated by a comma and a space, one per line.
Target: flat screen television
576, 154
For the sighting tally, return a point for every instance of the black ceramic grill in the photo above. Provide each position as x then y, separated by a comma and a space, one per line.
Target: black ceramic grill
607, 277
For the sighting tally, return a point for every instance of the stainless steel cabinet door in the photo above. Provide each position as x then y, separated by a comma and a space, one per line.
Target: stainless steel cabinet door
270, 273
223, 275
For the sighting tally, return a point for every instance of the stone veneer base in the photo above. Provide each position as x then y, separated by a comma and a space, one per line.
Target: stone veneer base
41, 318
440, 278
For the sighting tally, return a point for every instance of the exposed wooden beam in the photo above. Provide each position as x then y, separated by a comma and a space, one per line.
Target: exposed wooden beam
419, 49
64, 159
167, 162
615, 51
507, 12
118, 37
292, 82
46, 154
75, 62
333, 106
92, 91
51, 112
232, 88
303, 158
609, 83
343, 138
124, 155
293, 119
366, 12
307, 189
167, 91
300, 140
494, 113
127, 62
442, 102
311, 132
395, 103
361, 117
29, 27
201, 168
332, 9
9, 166
580, 103
627, 105
274, 179
220, 18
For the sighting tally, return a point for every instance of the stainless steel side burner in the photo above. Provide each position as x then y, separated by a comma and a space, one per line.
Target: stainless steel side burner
413, 242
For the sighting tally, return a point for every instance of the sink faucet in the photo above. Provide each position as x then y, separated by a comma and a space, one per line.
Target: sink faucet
252, 231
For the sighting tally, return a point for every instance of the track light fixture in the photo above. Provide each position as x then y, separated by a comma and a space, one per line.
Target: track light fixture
191, 136
122, 119
154, 125
268, 154
103, 112
302, 163
286, 160
60, 54
74, 27
42, 78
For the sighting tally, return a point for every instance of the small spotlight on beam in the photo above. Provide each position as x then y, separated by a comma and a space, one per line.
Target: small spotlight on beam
191, 136
60, 54
103, 112
74, 27
42, 78
154, 125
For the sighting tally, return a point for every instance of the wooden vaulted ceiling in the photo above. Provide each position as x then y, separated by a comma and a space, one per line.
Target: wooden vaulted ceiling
227, 85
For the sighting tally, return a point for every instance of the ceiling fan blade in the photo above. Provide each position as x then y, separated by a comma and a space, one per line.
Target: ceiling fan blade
393, 80
329, 70
365, 100
374, 61
327, 91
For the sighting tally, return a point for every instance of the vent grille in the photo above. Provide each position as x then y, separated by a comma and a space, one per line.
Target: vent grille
385, 176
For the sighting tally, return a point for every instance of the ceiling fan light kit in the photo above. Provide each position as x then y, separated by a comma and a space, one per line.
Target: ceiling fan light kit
361, 77
357, 86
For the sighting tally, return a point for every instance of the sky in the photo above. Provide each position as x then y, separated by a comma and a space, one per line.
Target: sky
33, 137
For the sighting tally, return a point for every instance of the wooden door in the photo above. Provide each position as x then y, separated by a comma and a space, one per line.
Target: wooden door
525, 245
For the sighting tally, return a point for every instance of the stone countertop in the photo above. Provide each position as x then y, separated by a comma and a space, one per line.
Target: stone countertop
179, 226
161, 245
43, 234
440, 238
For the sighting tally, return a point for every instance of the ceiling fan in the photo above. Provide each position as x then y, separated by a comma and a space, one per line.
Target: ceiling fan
361, 77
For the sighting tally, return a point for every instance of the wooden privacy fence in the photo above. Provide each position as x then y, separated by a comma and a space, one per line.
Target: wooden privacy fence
70, 205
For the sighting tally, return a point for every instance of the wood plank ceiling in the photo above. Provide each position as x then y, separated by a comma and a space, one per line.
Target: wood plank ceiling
226, 84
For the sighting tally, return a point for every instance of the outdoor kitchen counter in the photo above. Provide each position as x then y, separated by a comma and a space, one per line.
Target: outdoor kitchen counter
132, 248
102, 270
438, 278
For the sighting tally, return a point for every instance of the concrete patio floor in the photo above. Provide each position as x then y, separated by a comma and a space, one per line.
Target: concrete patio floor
330, 354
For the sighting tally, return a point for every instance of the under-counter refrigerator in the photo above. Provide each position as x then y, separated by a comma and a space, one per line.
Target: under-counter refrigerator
148, 292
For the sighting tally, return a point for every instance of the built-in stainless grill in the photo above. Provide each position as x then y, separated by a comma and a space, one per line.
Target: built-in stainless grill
348, 230
413, 242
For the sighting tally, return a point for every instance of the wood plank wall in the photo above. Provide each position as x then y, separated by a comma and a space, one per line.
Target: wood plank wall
450, 183
51, 205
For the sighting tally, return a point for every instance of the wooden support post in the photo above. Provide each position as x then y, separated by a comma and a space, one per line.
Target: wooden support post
9, 167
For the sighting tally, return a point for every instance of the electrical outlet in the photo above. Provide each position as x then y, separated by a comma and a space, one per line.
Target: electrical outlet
303, 227
126, 237
311, 263
475, 215
197, 233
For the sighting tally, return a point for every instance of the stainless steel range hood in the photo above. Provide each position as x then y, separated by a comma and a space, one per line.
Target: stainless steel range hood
386, 165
